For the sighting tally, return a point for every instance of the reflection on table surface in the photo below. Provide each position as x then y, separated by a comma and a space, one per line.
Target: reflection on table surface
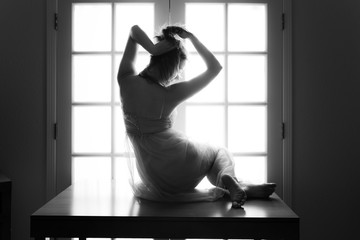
115, 199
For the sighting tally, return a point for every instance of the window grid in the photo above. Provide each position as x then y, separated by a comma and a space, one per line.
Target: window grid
114, 103
226, 104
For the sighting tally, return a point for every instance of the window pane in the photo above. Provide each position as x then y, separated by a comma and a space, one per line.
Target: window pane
251, 169
204, 184
91, 78
129, 14
92, 27
207, 20
142, 60
214, 92
247, 27
91, 129
247, 129
91, 168
119, 131
122, 172
206, 124
247, 78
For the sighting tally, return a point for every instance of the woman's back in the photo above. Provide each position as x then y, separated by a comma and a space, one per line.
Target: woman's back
144, 98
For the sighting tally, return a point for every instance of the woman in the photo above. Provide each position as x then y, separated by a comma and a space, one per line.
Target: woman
169, 165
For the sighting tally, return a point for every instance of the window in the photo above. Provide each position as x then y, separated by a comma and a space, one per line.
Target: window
98, 132
241, 109
235, 105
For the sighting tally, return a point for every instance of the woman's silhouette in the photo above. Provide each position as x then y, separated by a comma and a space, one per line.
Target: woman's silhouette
170, 166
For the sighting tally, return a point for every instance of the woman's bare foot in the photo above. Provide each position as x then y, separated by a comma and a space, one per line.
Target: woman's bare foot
259, 190
237, 194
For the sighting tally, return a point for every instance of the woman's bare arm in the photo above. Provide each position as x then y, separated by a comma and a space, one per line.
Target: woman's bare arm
138, 36
182, 91
127, 64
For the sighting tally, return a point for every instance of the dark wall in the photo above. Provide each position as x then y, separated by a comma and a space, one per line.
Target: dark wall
326, 86
326, 92
22, 107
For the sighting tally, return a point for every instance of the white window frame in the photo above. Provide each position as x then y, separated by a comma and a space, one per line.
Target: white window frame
59, 176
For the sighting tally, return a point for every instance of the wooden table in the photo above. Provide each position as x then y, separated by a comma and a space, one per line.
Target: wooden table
101, 209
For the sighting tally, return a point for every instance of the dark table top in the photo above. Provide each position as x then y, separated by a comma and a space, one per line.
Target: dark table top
99, 201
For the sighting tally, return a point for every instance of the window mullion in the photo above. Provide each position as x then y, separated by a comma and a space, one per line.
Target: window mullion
226, 79
177, 15
113, 105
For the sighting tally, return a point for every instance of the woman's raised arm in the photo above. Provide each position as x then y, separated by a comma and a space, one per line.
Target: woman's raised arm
138, 36
181, 91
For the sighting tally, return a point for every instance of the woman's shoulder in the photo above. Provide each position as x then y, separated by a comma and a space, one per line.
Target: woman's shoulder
130, 79
134, 83
137, 84
137, 80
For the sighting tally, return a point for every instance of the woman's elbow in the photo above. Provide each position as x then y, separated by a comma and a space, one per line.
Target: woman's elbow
214, 70
217, 68
134, 29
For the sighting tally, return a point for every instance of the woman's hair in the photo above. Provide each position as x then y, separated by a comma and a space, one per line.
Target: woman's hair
169, 63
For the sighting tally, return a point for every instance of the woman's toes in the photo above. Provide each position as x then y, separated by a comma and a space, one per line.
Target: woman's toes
237, 205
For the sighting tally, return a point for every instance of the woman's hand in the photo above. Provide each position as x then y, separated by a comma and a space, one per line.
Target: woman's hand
165, 45
184, 34
162, 47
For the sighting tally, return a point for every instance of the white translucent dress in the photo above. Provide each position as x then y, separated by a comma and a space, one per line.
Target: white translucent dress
170, 166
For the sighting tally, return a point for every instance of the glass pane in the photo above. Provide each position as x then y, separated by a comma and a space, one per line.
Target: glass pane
251, 169
91, 129
204, 184
142, 60
91, 168
247, 27
206, 124
214, 92
127, 15
122, 172
119, 131
247, 78
92, 27
91, 78
207, 21
247, 129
